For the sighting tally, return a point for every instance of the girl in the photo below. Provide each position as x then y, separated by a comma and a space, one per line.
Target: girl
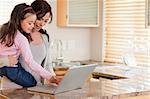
12, 42
39, 39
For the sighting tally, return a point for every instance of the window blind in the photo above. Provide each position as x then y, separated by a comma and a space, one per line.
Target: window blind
125, 31
6, 7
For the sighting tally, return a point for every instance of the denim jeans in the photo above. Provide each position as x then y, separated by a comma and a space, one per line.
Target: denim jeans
18, 75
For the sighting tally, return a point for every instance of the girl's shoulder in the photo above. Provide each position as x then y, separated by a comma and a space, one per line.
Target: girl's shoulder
20, 40
20, 36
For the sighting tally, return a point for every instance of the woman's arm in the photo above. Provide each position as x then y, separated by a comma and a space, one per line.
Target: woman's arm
48, 60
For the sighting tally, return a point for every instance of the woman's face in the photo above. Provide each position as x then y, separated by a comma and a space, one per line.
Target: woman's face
40, 23
28, 23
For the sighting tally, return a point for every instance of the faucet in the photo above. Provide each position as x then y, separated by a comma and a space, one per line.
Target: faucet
59, 53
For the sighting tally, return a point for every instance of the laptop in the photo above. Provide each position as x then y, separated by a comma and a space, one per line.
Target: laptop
74, 79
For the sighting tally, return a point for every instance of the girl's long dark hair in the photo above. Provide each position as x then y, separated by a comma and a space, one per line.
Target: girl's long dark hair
8, 30
41, 7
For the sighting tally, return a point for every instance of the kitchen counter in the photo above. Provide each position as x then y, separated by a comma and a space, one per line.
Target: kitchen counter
102, 70
103, 89
137, 83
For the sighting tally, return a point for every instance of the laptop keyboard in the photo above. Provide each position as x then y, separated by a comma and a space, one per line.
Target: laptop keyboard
51, 87
44, 88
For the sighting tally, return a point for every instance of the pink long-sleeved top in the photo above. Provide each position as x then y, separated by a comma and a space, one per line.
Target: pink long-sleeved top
21, 46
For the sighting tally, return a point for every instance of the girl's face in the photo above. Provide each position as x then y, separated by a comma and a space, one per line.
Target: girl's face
28, 23
40, 23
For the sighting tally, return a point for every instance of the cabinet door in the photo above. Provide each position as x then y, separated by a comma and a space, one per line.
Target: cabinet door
78, 13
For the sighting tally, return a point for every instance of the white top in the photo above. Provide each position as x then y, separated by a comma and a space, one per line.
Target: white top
39, 53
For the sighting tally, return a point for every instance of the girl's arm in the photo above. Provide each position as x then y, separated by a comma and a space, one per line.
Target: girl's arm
23, 44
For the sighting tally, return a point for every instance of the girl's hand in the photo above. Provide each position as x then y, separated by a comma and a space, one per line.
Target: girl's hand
12, 60
54, 79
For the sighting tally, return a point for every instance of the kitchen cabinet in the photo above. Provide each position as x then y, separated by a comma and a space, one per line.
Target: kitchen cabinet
78, 13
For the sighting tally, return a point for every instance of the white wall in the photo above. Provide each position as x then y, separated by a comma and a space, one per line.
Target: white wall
97, 37
78, 37
84, 43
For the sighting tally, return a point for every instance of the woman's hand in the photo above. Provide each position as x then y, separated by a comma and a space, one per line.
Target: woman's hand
54, 79
12, 60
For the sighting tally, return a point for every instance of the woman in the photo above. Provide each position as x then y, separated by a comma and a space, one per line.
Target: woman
39, 39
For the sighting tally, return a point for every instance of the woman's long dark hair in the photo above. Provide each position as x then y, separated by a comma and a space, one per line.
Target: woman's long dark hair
8, 30
41, 7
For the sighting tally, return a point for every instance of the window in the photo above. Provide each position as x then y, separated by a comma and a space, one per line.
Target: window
125, 31
6, 7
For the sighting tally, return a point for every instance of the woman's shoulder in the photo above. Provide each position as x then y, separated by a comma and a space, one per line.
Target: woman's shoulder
45, 35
